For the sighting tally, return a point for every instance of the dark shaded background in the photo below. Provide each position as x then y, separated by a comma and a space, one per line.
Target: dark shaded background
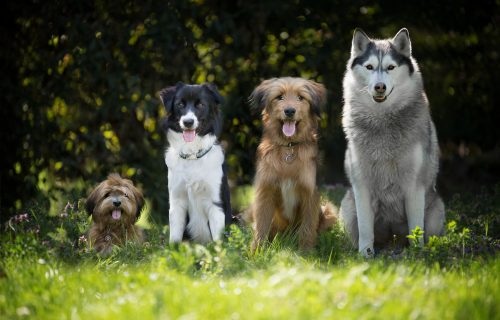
80, 82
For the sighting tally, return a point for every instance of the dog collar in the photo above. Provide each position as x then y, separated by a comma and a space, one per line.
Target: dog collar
290, 144
290, 152
194, 156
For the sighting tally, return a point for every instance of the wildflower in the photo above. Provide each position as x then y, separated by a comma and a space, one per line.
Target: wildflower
68, 206
82, 239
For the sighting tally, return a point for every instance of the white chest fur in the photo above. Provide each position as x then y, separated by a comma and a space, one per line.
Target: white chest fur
203, 174
194, 188
289, 199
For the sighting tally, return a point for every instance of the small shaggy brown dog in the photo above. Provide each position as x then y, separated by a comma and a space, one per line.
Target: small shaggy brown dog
285, 183
115, 205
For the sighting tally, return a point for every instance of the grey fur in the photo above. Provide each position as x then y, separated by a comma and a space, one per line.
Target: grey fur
392, 158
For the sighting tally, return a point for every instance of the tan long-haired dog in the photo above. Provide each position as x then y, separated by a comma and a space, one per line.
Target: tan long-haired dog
286, 196
115, 205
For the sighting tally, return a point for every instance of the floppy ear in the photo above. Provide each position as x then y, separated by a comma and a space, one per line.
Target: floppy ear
212, 88
139, 199
402, 42
318, 96
167, 96
92, 199
360, 42
258, 98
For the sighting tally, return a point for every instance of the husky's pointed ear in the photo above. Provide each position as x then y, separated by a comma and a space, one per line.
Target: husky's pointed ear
212, 88
402, 42
360, 42
318, 96
258, 98
167, 96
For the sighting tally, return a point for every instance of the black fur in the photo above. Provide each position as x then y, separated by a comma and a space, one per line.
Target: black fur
370, 49
225, 196
190, 96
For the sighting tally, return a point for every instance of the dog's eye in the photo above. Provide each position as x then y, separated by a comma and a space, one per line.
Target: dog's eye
199, 105
369, 67
125, 195
300, 98
390, 67
180, 105
107, 195
280, 97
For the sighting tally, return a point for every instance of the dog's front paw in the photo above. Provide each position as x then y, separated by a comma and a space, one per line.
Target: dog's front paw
368, 253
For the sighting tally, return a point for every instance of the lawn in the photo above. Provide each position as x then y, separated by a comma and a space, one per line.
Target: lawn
46, 272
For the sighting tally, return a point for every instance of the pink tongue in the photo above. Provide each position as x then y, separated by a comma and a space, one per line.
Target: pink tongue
116, 214
188, 135
289, 128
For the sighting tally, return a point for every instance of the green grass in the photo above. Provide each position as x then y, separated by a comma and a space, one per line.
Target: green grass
47, 272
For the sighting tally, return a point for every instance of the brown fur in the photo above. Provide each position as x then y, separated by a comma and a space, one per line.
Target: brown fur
267, 211
105, 231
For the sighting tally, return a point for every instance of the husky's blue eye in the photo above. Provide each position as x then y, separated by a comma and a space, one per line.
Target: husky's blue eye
369, 67
390, 67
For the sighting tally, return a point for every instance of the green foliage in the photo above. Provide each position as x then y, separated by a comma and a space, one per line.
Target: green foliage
81, 97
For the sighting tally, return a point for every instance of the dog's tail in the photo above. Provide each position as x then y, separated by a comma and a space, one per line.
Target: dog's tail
329, 216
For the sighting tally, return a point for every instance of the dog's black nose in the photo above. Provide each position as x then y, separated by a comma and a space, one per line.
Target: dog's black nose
289, 112
380, 87
117, 203
188, 123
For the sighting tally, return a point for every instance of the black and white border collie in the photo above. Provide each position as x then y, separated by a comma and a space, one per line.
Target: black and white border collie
197, 183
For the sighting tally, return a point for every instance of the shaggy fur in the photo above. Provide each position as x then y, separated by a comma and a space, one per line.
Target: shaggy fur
115, 205
286, 196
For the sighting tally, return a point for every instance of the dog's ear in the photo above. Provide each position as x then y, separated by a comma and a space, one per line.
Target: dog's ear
402, 42
167, 96
139, 199
360, 42
92, 199
258, 98
318, 96
212, 89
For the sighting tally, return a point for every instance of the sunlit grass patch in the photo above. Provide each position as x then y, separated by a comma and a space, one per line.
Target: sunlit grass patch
47, 272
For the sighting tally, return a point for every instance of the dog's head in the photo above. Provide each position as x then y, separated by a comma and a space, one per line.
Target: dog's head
380, 66
289, 105
192, 109
115, 201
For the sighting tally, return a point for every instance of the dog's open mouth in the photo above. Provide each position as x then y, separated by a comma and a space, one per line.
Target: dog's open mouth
382, 98
116, 214
379, 98
289, 128
188, 135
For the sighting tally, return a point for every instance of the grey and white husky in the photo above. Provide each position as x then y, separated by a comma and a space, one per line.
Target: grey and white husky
392, 157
